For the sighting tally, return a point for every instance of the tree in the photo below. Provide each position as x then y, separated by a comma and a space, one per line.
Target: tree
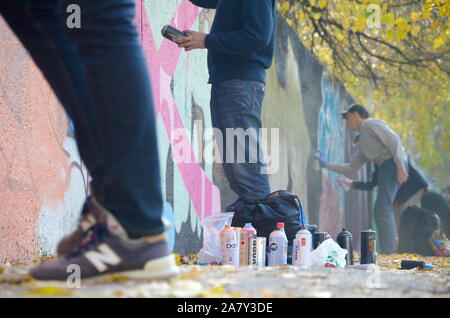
393, 56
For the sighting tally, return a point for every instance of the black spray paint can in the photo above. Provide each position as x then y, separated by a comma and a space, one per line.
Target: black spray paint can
345, 240
368, 247
169, 32
318, 238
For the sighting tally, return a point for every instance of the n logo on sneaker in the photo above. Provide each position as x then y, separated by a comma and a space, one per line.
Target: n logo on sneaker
100, 259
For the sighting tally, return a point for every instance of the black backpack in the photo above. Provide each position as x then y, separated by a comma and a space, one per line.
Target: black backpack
436, 203
279, 206
416, 227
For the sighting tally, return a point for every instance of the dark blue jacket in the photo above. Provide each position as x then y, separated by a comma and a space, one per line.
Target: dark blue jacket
414, 183
242, 39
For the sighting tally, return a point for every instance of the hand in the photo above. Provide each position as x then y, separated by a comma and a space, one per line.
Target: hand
402, 175
194, 40
347, 181
322, 161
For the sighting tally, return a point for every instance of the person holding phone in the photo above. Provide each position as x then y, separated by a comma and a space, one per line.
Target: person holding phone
240, 49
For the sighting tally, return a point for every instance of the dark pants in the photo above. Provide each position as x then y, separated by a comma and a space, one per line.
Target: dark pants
236, 107
99, 74
384, 206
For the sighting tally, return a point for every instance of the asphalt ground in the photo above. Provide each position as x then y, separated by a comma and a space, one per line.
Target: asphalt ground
194, 281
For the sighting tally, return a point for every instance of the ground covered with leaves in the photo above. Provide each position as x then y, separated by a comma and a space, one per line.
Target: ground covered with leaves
388, 280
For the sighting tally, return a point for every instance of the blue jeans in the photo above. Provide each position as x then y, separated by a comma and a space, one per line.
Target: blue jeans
99, 74
384, 206
237, 105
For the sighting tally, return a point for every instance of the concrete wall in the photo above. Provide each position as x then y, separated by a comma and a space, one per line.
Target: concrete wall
43, 182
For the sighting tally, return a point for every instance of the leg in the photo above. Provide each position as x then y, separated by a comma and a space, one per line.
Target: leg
118, 78
239, 108
115, 124
384, 206
129, 186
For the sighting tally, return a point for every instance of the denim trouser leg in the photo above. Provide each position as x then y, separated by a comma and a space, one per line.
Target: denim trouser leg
237, 105
100, 76
384, 206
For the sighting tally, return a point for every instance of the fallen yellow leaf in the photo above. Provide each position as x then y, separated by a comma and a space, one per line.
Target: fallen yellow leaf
48, 291
217, 289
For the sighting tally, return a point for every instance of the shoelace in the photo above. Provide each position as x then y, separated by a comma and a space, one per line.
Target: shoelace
93, 236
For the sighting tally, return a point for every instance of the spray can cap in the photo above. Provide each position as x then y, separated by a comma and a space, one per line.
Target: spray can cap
345, 233
428, 266
248, 224
280, 225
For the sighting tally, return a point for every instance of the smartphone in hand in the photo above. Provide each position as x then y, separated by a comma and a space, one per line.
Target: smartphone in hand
169, 32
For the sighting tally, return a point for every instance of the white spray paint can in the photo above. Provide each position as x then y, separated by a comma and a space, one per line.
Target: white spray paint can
278, 245
301, 250
229, 244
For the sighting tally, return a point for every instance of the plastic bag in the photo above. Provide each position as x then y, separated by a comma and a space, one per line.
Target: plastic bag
440, 243
329, 254
211, 252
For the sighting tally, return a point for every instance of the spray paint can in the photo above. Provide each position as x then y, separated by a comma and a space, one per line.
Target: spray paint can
247, 247
368, 247
169, 32
237, 231
229, 245
319, 237
316, 163
345, 240
260, 251
301, 250
278, 245
243, 248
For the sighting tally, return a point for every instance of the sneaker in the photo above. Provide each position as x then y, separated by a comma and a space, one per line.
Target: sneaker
105, 250
90, 214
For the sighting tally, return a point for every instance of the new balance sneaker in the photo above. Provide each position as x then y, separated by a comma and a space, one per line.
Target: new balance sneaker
91, 213
106, 249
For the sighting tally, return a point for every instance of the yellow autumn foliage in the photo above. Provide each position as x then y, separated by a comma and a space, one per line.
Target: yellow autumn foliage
394, 58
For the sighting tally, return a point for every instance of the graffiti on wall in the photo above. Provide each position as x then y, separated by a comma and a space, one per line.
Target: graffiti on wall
43, 179
320, 99
177, 110
331, 146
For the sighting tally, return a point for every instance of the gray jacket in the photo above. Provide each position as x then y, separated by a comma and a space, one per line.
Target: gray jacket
377, 143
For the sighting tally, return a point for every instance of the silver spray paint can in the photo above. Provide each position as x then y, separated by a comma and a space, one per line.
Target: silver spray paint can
260, 251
